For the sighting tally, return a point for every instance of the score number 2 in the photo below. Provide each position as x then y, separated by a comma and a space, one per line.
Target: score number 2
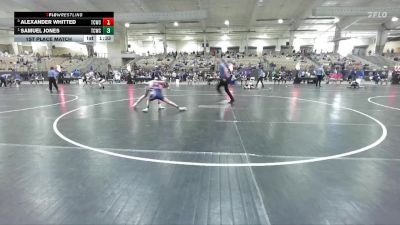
108, 21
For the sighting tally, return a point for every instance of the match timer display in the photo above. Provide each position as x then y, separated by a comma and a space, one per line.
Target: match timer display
63, 26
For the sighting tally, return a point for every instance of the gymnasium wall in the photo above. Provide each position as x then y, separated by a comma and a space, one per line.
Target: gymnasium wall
142, 46
154, 47
60, 48
101, 49
258, 43
395, 45
6, 37
346, 46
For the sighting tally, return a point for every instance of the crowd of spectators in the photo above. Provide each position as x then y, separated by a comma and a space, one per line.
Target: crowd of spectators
196, 67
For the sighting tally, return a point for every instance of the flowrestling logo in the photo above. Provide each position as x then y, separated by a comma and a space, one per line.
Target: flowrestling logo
377, 14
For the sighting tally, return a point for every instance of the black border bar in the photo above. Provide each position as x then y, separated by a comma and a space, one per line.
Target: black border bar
44, 15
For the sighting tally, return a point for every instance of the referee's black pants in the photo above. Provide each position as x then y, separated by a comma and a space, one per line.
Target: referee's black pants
52, 81
260, 79
318, 81
224, 83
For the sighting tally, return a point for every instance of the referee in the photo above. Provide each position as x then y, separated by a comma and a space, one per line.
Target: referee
261, 76
52, 75
320, 74
3, 80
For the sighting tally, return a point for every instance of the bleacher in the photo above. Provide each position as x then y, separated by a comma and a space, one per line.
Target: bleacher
193, 61
380, 60
21, 63
369, 62
150, 62
7, 62
327, 59
246, 61
289, 62
98, 65
393, 57
369, 65
69, 63
46, 62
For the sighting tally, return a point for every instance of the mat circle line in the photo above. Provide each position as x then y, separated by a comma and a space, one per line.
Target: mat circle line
385, 106
43, 106
172, 162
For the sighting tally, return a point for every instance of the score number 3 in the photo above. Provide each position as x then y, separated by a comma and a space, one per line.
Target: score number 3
108, 30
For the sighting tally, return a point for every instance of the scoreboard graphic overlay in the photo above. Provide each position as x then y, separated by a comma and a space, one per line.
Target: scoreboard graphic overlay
63, 26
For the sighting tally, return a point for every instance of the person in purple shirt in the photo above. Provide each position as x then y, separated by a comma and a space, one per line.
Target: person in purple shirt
225, 74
